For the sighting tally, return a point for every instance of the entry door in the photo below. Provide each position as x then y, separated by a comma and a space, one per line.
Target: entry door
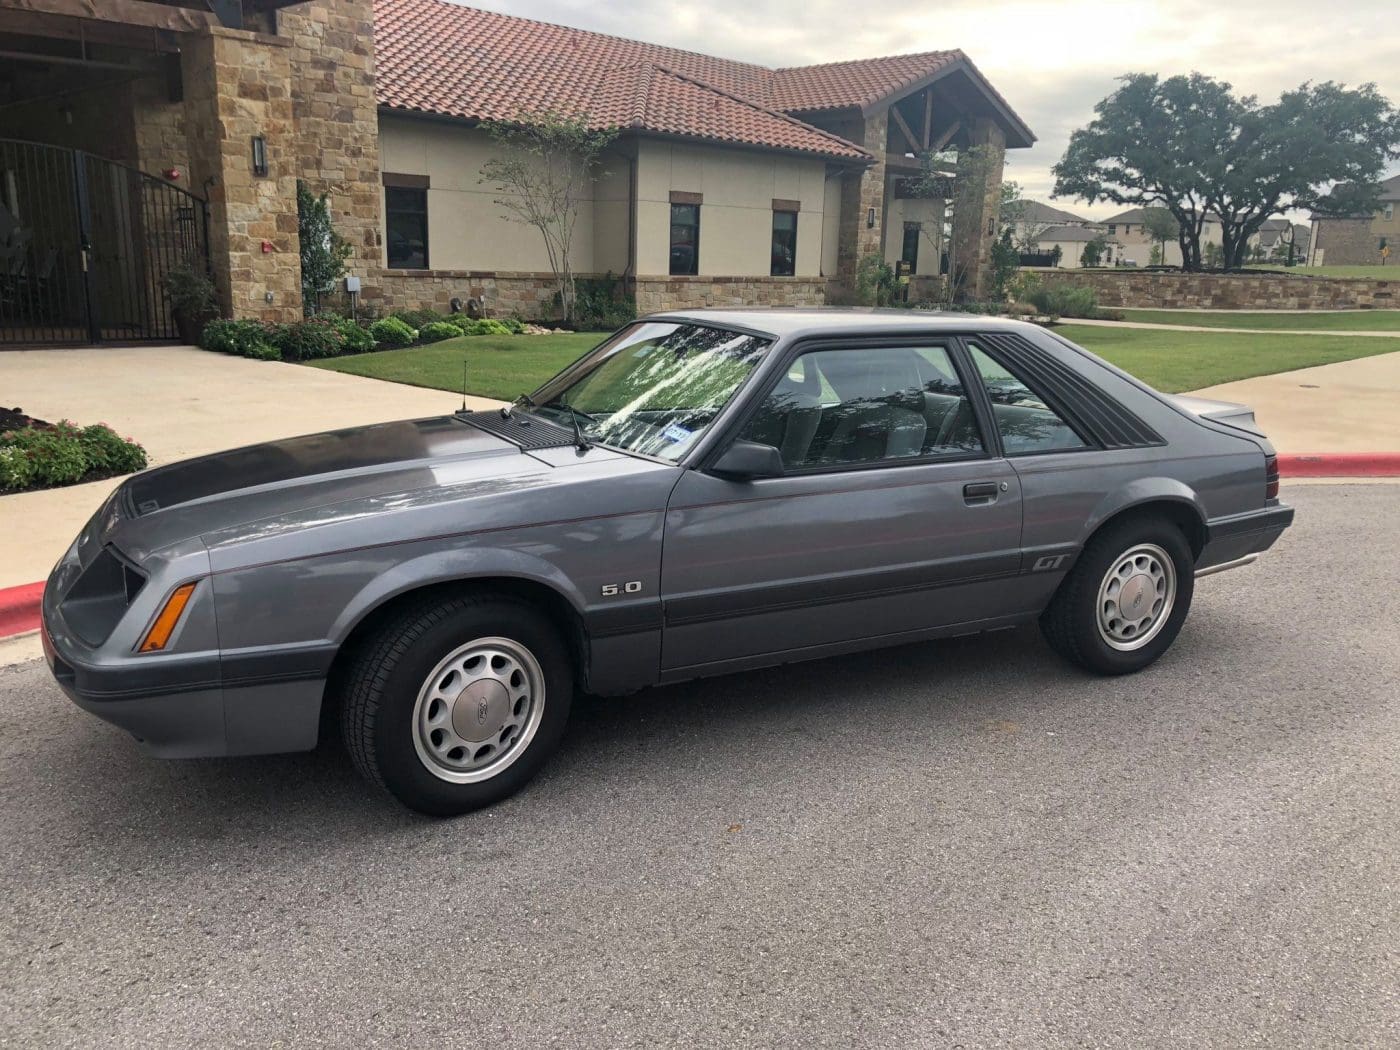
892, 517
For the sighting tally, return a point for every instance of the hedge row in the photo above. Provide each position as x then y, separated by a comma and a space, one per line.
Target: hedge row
332, 336
38, 457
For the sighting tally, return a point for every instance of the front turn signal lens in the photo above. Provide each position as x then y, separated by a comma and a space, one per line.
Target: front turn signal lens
160, 632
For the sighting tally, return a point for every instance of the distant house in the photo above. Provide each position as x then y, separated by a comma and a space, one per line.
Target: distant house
1273, 239
1129, 229
1032, 218
1071, 241
1359, 240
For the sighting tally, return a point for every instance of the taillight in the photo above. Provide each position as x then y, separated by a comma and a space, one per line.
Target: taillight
1271, 477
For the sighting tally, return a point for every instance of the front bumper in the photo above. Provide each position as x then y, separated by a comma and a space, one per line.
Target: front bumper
1233, 540
184, 706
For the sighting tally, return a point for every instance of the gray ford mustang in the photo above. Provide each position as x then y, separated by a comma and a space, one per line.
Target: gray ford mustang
704, 492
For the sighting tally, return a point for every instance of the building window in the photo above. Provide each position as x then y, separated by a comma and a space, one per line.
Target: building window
909, 251
406, 221
784, 255
1112, 228
685, 239
1389, 212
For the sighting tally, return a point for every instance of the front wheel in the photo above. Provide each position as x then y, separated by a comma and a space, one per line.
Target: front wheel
456, 703
1124, 602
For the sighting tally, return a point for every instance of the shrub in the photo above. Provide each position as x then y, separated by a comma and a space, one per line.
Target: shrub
308, 340
876, 284
421, 318
517, 326
41, 457
356, 336
1064, 302
437, 331
108, 453
391, 333
244, 338
602, 303
486, 326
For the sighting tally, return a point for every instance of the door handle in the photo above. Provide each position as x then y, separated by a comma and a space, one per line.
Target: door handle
978, 492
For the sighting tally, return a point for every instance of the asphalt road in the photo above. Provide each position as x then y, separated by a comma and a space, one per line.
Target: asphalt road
952, 844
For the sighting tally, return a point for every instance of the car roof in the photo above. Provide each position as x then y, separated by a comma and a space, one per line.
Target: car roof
784, 322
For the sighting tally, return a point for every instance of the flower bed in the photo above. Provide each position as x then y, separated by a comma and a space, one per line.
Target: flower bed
39, 455
331, 336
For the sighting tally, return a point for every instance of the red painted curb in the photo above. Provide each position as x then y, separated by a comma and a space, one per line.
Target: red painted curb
1340, 465
19, 609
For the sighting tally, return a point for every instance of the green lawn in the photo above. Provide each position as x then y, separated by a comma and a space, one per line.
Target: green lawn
499, 366
1348, 321
505, 366
1177, 361
1390, 272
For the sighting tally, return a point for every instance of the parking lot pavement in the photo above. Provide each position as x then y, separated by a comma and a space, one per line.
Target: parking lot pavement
964, 843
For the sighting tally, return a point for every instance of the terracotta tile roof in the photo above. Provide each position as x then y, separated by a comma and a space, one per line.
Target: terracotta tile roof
443, 58
434, 57
851, 85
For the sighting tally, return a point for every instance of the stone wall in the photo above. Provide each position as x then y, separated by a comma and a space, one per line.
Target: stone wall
862, 190
1207, 291
532, 295
526, 295
689, 293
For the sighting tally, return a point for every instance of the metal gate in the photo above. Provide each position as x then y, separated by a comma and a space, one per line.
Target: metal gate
85, 246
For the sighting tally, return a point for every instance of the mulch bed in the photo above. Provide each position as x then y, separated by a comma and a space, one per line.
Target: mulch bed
14, 419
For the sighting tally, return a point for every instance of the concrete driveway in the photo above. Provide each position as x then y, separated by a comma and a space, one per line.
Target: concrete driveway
177, 402
961, 844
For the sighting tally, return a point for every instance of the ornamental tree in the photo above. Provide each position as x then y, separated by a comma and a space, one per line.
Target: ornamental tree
1189, 145
544, 172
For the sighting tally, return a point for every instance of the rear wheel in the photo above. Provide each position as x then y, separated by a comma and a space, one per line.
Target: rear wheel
455, 704
1124, 602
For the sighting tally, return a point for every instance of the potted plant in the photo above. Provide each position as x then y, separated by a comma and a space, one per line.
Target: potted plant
192, 300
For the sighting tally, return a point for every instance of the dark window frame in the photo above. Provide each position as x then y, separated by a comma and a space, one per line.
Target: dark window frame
773, 269
917, 229
694, 208
399, 186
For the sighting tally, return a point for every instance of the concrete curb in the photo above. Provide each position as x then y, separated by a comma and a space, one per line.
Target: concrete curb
19, 609
1340, 465
19, 606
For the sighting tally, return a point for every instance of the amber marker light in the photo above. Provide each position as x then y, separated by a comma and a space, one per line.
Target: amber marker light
160, 632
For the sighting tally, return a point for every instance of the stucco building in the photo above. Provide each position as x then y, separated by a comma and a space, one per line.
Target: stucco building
727, 181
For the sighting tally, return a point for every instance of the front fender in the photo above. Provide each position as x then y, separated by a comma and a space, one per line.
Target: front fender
451, 566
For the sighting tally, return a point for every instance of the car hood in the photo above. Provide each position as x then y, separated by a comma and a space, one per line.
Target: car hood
287, 479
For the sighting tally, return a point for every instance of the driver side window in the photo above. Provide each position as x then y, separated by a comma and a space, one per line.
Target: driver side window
854, 407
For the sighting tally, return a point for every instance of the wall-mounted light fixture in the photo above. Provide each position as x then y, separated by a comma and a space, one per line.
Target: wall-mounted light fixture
870, 219
260, 156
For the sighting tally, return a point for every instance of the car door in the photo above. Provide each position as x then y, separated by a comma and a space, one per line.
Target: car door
893, 516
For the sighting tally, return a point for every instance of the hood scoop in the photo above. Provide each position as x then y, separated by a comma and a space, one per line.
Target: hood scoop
525, 432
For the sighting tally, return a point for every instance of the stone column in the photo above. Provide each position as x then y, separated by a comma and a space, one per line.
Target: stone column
861, 191
237, 86
976, 209
337, 121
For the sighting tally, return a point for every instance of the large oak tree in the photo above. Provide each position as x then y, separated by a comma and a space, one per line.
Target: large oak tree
1190, 145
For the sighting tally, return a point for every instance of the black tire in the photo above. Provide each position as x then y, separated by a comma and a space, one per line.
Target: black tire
386, 674
1070, 623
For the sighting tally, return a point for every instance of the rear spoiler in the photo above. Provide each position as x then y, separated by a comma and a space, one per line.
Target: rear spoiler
1241, 417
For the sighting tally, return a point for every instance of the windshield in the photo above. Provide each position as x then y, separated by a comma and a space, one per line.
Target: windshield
653, 388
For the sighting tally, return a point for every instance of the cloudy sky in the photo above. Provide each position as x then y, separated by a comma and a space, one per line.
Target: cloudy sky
1052, 59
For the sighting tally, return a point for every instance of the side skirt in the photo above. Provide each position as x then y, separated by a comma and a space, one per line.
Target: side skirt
818, 652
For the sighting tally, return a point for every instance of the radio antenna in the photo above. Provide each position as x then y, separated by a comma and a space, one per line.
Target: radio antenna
464, 382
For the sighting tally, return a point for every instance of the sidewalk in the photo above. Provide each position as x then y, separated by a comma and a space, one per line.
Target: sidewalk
1155, 326
1347, 406
178, 402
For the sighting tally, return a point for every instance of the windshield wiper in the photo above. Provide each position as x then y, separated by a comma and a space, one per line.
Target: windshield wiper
581, 441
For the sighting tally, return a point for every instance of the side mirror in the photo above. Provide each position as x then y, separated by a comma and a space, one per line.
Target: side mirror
746, 460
